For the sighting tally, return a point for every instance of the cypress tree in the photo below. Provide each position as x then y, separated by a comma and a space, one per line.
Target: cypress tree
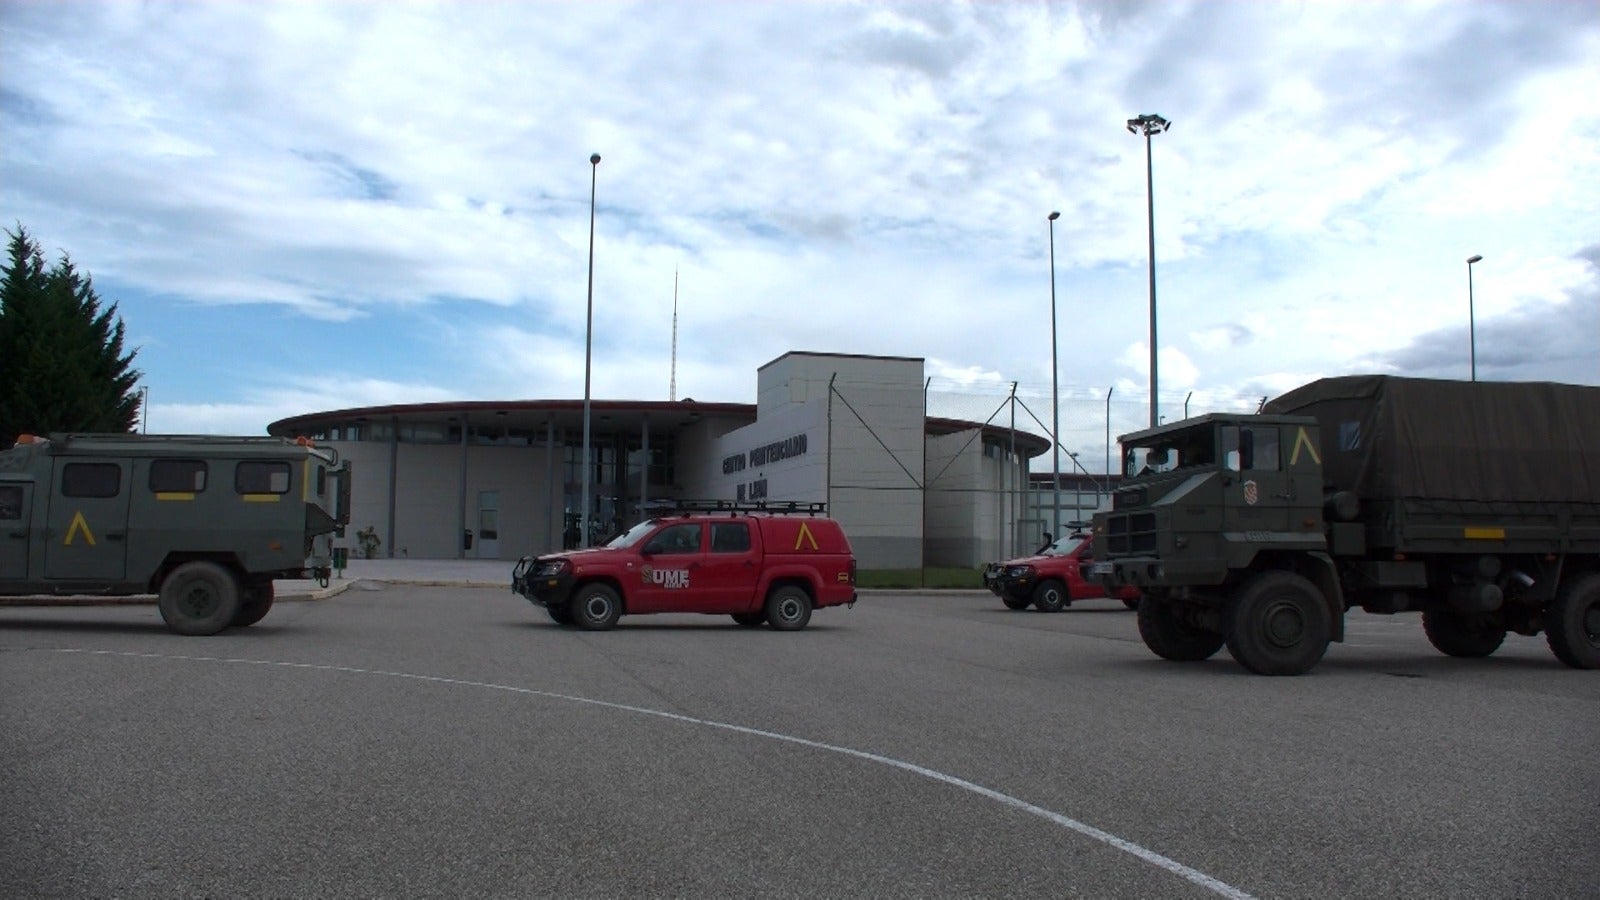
62, 365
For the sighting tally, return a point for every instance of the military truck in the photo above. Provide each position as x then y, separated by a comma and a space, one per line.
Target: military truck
1475, 503
205, 523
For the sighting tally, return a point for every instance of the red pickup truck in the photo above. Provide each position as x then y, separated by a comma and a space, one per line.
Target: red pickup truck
760, 564
1052, 578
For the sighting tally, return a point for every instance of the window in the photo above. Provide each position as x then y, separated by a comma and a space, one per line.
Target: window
1349, 435
730, 537
261, 478
10, 502
91, 480
177, 476
676, 539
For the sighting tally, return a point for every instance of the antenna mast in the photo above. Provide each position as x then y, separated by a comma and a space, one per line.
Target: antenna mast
672, 389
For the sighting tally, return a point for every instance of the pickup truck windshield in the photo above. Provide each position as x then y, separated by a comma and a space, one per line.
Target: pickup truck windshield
633, 535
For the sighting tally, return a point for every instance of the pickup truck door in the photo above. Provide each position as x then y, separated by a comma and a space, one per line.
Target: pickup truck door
669, 570
15, 512
87, 535
731, 569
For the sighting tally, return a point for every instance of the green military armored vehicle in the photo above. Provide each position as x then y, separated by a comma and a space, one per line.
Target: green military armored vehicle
205, 523
1475, 503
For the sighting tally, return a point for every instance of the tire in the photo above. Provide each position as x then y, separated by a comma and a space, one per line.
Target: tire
751, 619
1169, 637
595, 607
1460, 634
561, 615
1013, 603
1572, 623
1279, 625
199, 598
788, 608
1133, 603
255, 601
1050, 595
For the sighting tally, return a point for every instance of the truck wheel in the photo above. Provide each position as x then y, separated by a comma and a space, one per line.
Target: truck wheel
254, 603
560, 614
199, 598
751, 619
1013, 603
1572, 624
788, 608
1458, 634
1170, 637
1051, 596
1279, 625
595, 607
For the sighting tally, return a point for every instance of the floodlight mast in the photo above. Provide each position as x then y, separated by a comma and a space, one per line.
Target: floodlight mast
1149, 125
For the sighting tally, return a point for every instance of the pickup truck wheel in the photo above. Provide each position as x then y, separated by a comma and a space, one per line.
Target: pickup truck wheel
788, 608
751, 619
1013, 603
1279, 625
560, 614
1051, 596
595, 607
199, 598
1133, 603
1170, 637
1572, 623
1459, 634
254, 603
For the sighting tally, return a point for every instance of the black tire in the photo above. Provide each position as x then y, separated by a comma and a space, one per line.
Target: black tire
559, 614
1279, 625
788, 608
1461, 634
1572, 623
199, 598
751, 619
255, 601
1133, 603
1170, 637
1050, 595
595, 607
1013, 603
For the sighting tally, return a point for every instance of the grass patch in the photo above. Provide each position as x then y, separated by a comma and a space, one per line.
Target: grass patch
919, 578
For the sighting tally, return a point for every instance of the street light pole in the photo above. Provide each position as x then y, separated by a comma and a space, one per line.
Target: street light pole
588, 355
1472, 327
1055, 381
1077, 489
1109, 391
1148, 125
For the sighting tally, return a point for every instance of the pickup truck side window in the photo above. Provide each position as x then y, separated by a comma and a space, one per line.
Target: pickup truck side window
730, 537
91, 480
676, 539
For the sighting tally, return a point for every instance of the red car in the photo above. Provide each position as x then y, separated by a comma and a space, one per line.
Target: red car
1052, 578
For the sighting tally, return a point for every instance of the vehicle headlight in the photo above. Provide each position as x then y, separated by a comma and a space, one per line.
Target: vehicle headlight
552, 568
1019, 571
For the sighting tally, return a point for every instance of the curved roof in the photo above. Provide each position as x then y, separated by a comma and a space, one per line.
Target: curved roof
568, 414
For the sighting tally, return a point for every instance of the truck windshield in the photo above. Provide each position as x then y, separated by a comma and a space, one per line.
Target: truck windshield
633, 535
1172, 452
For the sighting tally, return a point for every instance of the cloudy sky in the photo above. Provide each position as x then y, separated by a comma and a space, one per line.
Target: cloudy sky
311, 206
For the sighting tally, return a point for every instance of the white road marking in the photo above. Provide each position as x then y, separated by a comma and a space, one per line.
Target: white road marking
1150, 856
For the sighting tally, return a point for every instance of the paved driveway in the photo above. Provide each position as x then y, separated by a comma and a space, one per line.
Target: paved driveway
401, 740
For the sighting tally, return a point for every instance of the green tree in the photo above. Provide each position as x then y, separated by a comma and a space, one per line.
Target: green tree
62, 365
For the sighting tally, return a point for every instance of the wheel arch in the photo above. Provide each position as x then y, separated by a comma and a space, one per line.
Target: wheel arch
228, 561
609, 581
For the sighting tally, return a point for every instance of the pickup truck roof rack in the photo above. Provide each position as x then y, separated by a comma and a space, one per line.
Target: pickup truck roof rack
783, 507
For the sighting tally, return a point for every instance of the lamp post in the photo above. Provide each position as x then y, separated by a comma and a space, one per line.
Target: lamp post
1055, 381
1148, 125
1109, 391
1077, 489
1472, 327
588, 353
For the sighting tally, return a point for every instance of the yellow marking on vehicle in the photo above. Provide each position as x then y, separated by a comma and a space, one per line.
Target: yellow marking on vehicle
804, 534
259, 498
1484, 534
1304, 440
174, 495
78, 522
